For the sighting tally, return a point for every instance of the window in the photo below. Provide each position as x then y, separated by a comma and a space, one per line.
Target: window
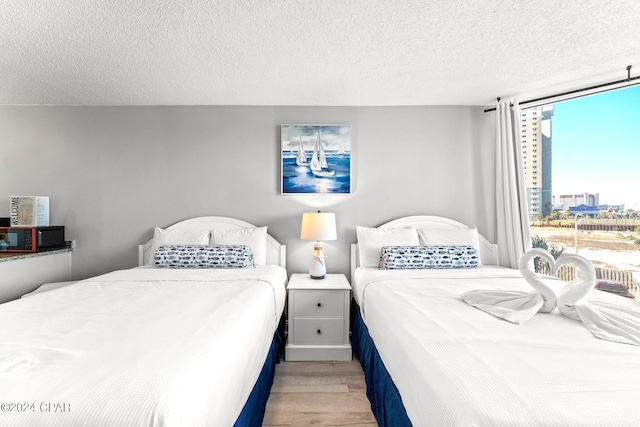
585, 179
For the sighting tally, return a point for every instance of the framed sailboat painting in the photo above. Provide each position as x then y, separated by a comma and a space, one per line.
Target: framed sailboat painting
316, 159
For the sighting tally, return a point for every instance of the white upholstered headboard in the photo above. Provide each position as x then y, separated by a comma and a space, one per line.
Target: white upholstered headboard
276, 253
488, 250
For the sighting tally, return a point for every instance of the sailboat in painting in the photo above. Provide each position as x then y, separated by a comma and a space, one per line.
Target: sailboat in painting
319, 166
301, 159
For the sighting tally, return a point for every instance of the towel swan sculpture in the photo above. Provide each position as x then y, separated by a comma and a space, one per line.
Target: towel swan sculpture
606, 316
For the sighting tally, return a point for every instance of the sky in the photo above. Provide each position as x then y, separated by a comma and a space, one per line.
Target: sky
596, 147
333, 136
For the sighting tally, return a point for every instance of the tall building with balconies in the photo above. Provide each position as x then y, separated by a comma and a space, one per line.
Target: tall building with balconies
536, 156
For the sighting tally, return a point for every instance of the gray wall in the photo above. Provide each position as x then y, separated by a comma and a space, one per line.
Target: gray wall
114, 173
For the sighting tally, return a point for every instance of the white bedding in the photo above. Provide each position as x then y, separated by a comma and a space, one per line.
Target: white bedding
139, 347
455, 365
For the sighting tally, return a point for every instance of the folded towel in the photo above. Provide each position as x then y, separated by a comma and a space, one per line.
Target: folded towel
606, 316
578, 288
615, 320
513, 305
537, 281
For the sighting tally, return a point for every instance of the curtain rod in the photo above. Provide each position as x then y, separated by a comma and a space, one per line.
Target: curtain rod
571, 92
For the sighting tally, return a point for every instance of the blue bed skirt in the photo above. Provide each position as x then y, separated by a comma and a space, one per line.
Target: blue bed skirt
385, 399
252, 413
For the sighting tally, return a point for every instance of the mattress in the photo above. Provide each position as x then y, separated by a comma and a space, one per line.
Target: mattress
139, 347
455, 365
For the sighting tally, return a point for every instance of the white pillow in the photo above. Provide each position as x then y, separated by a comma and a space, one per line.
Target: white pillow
255, 238
450, 237
176, 237
371, 241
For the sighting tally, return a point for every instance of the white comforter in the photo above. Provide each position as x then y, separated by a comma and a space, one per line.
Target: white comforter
455, 365
139, 347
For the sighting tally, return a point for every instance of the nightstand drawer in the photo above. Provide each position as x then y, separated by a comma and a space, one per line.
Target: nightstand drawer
318, 331
318, 304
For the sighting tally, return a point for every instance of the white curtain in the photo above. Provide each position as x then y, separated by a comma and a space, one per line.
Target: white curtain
512, 227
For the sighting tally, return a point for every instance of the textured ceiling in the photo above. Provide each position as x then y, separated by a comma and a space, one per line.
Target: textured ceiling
309, 52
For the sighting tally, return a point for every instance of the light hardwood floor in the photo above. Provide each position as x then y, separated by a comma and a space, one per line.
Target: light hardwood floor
319, 394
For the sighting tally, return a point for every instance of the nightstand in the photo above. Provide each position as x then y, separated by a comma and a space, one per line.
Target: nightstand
318, 314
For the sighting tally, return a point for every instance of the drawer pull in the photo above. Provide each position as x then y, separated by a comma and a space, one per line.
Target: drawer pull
319, 331
319, 304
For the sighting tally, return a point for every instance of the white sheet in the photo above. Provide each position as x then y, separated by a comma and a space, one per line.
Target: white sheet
456, 365
139, 347
364, 276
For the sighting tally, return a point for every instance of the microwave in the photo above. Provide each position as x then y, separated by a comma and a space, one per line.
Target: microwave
31, 239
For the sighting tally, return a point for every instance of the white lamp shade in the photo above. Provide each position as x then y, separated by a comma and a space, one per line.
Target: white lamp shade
319, 226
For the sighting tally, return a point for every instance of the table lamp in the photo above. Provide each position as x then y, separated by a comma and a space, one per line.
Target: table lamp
318, 226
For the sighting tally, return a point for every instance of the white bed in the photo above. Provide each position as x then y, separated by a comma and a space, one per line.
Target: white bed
454, 365
143, 347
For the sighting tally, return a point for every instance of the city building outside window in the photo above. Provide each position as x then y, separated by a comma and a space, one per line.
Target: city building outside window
582, 187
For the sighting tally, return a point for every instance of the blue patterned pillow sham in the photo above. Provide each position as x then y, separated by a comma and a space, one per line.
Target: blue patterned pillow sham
204, 256
423, 257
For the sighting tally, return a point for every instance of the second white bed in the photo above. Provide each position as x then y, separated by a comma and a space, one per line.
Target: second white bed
456, 365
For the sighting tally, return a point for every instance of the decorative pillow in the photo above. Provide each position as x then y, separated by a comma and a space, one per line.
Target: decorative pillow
203, 256
421, 257
371, 240
177, 237
255, 238
451, 237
